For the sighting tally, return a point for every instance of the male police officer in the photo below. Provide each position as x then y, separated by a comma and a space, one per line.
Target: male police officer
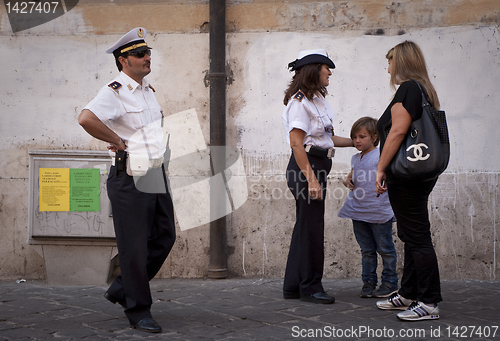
125, 114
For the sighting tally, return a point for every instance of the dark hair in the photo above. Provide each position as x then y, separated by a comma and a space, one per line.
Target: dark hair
370, 124
306, 79
118, 64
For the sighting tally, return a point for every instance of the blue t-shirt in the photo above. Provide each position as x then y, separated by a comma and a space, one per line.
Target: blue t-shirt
362, 202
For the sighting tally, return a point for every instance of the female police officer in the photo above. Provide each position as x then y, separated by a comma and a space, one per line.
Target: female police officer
307, 119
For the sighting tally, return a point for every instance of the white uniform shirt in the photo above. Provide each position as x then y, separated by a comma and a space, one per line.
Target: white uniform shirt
133, 113
312, 117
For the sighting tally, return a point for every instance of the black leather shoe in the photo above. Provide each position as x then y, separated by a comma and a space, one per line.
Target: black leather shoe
290, 295
114, 300
319, 297
147, 325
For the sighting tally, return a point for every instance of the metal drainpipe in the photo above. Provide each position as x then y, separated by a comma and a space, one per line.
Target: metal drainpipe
217, 75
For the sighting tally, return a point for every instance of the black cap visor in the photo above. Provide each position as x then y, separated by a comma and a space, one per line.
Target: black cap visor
134, 46
311, 59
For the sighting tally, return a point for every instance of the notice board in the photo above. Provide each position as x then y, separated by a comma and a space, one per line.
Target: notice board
68, 200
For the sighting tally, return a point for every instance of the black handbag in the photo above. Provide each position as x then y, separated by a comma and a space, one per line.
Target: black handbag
425, 152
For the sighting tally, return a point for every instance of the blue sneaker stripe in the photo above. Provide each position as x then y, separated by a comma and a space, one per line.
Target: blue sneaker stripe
420, 311
400, 303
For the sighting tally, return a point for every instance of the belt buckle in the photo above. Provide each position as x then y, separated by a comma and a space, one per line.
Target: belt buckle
331, 153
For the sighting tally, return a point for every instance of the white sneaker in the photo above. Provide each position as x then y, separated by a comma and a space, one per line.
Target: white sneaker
395, 301
420, 311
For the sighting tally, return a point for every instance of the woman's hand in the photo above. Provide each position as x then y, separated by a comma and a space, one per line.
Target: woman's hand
315, 190
380, 186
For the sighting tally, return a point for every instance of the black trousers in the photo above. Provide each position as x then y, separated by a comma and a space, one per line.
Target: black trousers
145, 233
409, 201
304, 267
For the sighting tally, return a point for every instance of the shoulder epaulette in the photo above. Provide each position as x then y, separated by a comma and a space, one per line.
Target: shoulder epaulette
115, 86
299, 96
152, 88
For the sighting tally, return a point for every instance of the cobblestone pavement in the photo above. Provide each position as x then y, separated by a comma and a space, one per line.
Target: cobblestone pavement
241, 309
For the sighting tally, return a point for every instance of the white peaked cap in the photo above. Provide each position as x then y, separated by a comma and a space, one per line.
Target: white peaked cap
311, 57
304, 53
133, 40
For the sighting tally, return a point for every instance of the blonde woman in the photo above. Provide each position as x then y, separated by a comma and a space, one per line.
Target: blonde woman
420, 289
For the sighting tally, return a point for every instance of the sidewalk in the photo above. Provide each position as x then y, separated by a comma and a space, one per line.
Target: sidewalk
241, 309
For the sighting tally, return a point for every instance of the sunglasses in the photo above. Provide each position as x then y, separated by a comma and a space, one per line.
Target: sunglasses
140, 54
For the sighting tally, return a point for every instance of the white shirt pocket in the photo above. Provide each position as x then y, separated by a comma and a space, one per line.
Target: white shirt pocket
134, 113
317, 127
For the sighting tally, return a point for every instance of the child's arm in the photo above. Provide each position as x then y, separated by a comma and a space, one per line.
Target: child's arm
348, 181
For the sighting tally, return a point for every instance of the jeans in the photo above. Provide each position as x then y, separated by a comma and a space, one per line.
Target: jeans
376, 238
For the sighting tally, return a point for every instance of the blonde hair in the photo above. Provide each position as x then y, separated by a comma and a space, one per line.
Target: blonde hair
408, 63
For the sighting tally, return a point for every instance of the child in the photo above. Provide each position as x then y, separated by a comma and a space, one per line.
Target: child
371, 215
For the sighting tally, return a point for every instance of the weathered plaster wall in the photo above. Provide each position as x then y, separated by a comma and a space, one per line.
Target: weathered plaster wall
53, 70
359, 87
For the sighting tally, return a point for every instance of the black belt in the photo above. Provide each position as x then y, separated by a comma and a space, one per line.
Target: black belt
319, 151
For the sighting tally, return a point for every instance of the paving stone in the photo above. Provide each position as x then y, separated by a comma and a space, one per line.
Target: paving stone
232, 310
25, 334
75, 333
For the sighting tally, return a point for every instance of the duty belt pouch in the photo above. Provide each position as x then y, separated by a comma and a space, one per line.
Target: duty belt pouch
120, 161
318, 151
137, 164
